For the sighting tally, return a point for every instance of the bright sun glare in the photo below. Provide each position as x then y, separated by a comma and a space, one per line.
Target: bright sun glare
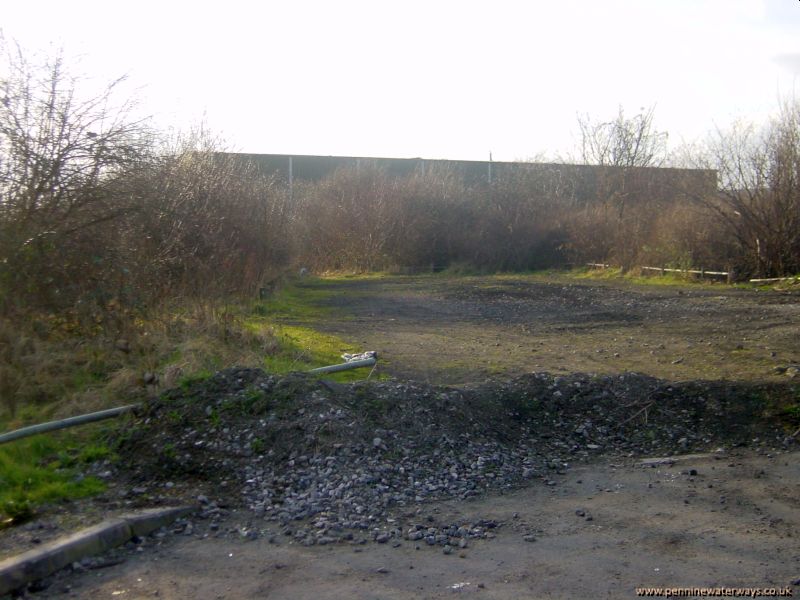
436, 79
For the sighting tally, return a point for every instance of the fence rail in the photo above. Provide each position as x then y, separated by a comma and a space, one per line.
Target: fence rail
702, 273
664, 270
774, 279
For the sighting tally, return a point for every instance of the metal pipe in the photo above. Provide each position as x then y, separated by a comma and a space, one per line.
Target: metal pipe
64, 423
115, 412
355, 364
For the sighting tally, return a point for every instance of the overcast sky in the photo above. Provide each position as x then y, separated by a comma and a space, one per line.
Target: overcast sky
435, 79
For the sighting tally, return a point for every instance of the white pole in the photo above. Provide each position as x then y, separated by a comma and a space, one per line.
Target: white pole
353, 364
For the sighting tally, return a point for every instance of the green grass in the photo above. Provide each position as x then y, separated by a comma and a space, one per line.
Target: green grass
615, 274
788, 284
466, 273
258, 446
792, 413
186, 381
46, 469
581, 273
787, 407
297, 302
277, 334
303, 348
668, 279
331, 278
290, 317
674, 279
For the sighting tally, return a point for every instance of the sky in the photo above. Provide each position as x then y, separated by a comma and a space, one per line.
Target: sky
431, 79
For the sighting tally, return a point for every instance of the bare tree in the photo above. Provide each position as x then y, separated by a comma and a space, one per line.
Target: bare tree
759, 198
207, 222
620, 148
623, 142
58, 152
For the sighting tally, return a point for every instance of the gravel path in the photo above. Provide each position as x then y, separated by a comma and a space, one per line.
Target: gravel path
729, 520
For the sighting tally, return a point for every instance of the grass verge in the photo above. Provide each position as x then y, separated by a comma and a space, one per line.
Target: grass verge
289, 318
47, 469
47, 374
676, 279
639, 278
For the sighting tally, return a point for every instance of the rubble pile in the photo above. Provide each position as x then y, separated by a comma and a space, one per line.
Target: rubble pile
326, 461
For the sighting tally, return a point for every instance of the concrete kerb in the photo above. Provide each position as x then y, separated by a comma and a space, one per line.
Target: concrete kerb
671, 460
18, 571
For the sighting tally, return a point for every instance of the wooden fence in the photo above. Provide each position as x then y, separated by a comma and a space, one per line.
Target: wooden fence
664, 270
701, 272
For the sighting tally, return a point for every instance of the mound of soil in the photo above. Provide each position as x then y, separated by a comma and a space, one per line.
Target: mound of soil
350, 455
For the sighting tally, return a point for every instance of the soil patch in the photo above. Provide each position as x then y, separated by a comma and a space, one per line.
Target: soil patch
455, 330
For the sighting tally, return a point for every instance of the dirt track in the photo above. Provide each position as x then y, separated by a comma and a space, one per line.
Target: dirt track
735, 524
452, 330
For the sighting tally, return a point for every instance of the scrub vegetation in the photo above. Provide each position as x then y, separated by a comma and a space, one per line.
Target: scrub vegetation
57, 374
132, 261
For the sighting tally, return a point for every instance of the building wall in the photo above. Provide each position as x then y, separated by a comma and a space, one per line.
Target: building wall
586, 182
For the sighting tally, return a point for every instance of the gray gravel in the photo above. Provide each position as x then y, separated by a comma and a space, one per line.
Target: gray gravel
320, 463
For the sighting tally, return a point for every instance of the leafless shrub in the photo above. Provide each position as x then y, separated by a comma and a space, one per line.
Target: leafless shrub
637, 214
345, 220
58, 153
517, 221
759, 200
431, 219
205, 224
617, 224
623, 141
363, 219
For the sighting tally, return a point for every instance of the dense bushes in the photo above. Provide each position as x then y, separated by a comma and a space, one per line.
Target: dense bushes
98, 211
758, 206
363, 219
529, 217
204, 225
